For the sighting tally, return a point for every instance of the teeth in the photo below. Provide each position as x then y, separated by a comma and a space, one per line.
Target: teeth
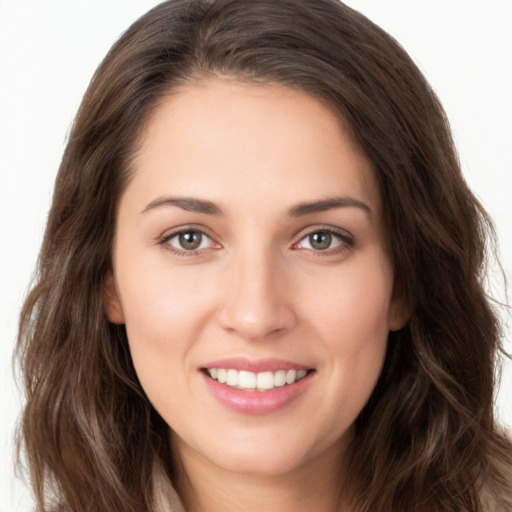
265, 380
262, 381
232, 378
280, 378
222, 375
246, 380
291, 375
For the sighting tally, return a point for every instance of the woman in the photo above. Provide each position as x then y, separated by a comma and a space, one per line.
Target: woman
260, 280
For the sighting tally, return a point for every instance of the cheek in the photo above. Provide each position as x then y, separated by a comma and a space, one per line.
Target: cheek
350, 320
157, 299
352, 308
165, 311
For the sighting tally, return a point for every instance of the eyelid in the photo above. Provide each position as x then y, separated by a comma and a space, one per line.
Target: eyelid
168, 235
347, 238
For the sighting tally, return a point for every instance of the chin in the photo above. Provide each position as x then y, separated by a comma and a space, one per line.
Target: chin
269, 454
262, 462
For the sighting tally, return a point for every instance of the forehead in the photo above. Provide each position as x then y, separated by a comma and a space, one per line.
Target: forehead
231, 140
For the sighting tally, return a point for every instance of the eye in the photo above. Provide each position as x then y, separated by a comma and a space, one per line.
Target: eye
188, 240
324, 240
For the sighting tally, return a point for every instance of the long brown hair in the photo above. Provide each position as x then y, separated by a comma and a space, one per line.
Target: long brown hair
427, 439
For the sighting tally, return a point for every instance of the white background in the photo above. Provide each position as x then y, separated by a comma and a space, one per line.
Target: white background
49, 50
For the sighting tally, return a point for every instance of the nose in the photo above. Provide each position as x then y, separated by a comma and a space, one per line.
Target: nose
256, 298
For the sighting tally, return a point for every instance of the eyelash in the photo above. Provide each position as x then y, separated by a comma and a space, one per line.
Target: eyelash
346, 241
164, 241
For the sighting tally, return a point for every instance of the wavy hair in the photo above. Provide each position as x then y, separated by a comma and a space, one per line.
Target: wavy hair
427, 439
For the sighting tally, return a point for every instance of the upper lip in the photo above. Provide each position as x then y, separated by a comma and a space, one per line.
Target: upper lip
256, 365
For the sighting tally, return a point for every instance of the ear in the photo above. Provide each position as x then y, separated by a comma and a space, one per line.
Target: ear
399, 313
111, 303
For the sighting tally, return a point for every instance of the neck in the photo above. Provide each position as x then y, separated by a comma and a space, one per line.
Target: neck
315, 485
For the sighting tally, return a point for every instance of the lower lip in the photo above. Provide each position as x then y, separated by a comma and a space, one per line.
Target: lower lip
257, 402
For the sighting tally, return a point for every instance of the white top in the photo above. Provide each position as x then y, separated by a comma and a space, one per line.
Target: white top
167, 498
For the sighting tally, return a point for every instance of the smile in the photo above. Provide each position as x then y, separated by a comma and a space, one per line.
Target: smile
250, 381
256, 387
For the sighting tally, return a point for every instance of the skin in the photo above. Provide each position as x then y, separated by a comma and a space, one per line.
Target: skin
256, 287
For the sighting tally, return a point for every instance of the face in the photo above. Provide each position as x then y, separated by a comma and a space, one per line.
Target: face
250, 270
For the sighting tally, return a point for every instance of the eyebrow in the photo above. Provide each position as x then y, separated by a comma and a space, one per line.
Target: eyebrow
189, 204
309, 208
192, 204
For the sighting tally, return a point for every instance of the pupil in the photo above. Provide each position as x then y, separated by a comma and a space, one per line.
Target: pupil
320, 240
190, 240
